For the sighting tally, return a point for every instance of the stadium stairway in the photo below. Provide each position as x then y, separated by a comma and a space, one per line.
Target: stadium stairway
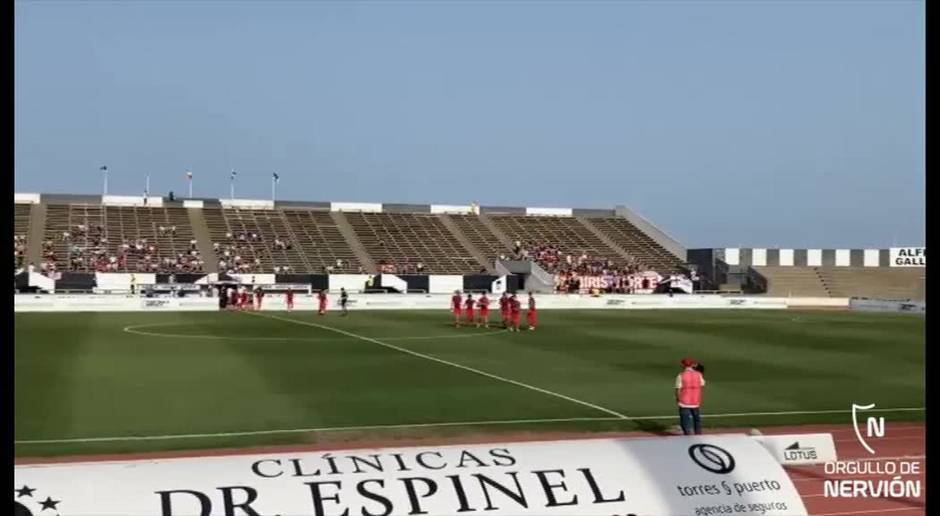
203, 241
342, 223
464, 241
490, 225
604, 238
37, 229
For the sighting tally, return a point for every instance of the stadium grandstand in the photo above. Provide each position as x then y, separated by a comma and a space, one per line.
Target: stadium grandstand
583, 250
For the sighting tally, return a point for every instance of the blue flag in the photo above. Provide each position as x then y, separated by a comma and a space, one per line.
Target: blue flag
103, 168
277, 178
234, 174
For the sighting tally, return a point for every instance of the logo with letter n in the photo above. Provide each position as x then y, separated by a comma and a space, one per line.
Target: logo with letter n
874, 426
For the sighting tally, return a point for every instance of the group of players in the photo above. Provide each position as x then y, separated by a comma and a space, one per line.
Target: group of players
245, 298
242, 298
509, 309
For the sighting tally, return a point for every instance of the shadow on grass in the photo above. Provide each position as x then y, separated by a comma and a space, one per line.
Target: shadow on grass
653, 427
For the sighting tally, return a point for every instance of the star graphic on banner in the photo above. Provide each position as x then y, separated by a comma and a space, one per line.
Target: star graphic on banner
25, 491
49, 503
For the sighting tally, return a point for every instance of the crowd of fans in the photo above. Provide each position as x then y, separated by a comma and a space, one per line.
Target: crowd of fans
390, 267
230, 256
87, 248
19, 252
570, 270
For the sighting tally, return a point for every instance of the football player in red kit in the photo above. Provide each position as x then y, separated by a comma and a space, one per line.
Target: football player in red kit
468, 306
514, 309
232, 298
455, 307
484, 303
259, 295
245, 300
321, 297
530, 313
504, 309
290, 299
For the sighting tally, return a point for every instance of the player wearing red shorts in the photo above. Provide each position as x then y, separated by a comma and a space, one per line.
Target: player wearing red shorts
530, 313
484, 303
514, 309
321, 297
259, 295
244, 299
468, 309
232, 298
290, 299
504, 309
455, 307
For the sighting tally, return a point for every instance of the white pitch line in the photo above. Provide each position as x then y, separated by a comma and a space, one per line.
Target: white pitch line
446, 362
425, 425
135, 330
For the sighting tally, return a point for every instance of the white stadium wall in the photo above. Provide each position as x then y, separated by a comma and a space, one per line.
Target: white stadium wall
912, 256
303, 302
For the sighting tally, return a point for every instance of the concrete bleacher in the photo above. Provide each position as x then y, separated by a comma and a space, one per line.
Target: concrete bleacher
638, 244
320, 240
896, 283
873, 282
480, 236
567, 233
313, 241
793, 281
407, 239
119, 224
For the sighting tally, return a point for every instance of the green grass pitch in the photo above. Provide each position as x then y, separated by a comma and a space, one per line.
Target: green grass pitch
84, 376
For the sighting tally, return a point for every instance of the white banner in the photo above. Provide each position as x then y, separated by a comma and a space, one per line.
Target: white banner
791, 450
908, 256
721, 474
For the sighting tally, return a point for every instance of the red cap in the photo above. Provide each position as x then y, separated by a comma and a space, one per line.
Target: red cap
687, 362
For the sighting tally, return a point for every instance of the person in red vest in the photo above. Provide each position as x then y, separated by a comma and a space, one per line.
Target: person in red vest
504, 309
290, 299
484, 303
689, 384
530, 313
455, 305
321, 297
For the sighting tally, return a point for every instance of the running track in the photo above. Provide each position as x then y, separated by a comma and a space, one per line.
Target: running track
900, 440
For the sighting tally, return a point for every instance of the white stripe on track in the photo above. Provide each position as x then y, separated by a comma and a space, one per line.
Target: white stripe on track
445, 362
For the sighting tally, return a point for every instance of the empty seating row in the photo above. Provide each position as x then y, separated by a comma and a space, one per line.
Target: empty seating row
404, 240
279, 241
638, 244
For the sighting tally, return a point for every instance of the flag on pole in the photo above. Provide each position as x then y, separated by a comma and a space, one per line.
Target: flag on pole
189, 174
233, 174
105, 168
277, 178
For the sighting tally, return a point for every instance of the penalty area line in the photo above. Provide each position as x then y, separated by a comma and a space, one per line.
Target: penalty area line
445, 362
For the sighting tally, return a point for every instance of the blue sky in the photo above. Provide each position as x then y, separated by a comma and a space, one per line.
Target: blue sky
751, 123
